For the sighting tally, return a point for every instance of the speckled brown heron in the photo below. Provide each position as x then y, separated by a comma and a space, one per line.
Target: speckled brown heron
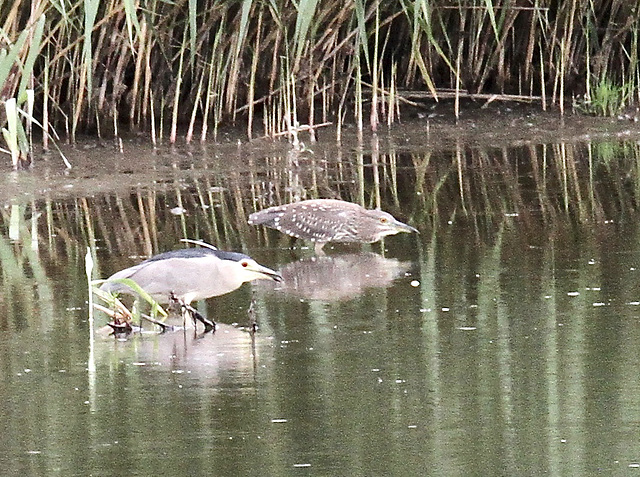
190, 274
329, 220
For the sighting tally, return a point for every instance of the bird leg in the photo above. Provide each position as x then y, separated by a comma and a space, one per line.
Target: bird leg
195, 315
119, 328
253, 324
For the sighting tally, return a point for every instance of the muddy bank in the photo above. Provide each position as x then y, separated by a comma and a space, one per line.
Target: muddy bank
100, 167
507, 124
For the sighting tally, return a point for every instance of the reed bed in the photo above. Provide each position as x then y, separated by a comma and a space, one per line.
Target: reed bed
187, 68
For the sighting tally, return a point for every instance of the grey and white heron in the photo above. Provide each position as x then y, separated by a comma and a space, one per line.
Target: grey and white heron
329, 220
191, 274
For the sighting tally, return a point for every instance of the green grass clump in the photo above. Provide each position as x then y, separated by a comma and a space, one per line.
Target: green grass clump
607, 99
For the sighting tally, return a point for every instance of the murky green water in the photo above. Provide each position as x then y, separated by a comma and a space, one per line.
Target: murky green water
503, 340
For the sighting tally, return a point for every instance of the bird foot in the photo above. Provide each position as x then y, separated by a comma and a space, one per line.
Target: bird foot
124, 327
195, 315
253, 323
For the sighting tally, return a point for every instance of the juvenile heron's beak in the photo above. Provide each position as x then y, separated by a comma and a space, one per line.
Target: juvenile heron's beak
402, 227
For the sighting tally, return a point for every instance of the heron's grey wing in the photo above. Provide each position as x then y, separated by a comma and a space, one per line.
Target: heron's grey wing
115, 287
151, 276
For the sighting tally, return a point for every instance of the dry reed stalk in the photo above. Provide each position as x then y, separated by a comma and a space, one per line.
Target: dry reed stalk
194, 111
252, 80
176, 98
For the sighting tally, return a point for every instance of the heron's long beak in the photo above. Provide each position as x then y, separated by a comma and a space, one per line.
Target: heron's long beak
264, 272
402, 227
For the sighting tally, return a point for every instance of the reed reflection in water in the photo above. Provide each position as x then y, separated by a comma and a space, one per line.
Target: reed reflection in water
516, 353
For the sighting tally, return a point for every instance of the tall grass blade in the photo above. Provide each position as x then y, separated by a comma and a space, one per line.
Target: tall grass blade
132, 20
492, 17
90, 13
193, 28
8, 58
34, 52
362, 31
306, 12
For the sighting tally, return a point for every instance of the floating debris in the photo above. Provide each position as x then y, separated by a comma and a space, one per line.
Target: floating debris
178, 211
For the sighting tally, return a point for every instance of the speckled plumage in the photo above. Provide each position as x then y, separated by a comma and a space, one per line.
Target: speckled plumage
329, 220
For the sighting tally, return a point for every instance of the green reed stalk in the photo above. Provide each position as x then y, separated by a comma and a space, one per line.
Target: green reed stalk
85, 84
304, 21
236, 59
193, 28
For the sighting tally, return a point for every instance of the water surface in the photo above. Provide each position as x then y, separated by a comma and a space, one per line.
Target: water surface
502, 340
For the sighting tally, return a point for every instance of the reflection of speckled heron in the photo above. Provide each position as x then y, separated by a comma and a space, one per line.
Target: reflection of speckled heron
333, 278
191, 274
329, 220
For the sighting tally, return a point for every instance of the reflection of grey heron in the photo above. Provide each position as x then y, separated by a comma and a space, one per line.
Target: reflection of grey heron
340, 277
191, 274
329, 220
208, 356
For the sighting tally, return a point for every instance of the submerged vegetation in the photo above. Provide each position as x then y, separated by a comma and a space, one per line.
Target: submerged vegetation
279, 67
